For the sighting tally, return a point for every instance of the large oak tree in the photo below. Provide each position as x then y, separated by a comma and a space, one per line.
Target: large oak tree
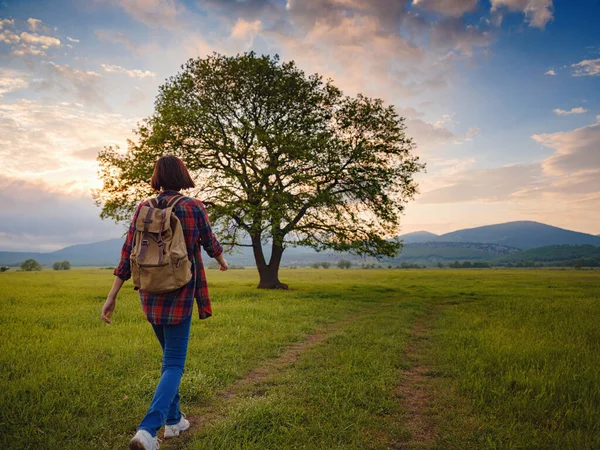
279, 158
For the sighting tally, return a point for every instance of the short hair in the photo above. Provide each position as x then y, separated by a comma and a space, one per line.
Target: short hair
170, 174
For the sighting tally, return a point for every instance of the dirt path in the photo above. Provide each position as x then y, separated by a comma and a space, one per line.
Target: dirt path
249, 385
415, 390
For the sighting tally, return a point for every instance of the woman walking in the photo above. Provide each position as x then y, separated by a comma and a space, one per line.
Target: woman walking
170, 313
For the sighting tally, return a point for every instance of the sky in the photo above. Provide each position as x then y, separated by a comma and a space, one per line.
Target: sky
502, 98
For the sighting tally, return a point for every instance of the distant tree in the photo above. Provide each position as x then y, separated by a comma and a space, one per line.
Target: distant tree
510, 265
577, 267
277, 155
325, 265
4, 269
344, 264
466, 265
61, 265
315, 265
30, 265
455, 265
481, 265
440, 265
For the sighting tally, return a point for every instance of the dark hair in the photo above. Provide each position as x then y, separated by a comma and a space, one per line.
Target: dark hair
171, 174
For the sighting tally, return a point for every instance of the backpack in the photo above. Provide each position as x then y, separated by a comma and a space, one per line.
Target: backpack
159, 257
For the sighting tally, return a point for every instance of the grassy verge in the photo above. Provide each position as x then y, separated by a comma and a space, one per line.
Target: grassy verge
71, 381
520, 364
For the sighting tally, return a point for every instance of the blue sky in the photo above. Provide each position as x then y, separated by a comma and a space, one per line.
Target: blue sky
501, 96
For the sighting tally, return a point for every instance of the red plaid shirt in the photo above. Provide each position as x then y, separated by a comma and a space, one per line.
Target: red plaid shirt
171, 308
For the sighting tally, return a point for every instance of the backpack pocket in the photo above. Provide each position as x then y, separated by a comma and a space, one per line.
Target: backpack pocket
157, 278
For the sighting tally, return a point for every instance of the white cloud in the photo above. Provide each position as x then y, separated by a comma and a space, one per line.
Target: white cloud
70, 39
52, 142
453, 8
11, 80
35, 24
6, 23
562, 112
245, 30
8, 37
577, 151
550, 72
133, 73
44, 42
587, 67
537, 12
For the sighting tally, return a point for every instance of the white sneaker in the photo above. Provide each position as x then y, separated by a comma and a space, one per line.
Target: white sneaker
174, 430
143, 441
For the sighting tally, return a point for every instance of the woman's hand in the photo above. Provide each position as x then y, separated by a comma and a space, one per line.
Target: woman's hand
108, 308
222, 262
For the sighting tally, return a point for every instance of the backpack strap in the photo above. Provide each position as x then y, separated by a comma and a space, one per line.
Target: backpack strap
173, 202
154, 202
145, 242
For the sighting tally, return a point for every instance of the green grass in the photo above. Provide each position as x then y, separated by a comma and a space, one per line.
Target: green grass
515, 353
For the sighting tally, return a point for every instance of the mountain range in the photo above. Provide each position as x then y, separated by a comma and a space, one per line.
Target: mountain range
480, 243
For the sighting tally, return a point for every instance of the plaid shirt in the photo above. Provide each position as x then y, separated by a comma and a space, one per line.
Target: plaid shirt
171, 308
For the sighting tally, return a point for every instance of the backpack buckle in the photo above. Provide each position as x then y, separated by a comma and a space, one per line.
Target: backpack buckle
145, 241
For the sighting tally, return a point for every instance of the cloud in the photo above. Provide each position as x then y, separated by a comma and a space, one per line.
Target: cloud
44, 42
454, 34
577, 151
6, 23
471, 133
67, 218
550, 72
118, 38
488, 185
562, 112
86, 86
11, 80
244, 29
52, 142
70, 39
8, 37
537, 12
452, 8
134, 73
154, 13
36, 25
587, 67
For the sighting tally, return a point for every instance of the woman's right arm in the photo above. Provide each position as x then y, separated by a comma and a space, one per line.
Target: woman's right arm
208, 240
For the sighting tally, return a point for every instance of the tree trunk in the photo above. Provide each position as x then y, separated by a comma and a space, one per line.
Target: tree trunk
269, 273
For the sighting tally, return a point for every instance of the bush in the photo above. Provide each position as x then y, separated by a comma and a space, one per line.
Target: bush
4, 269
61, 265
344, 264
325, 265
315, 265
30, 265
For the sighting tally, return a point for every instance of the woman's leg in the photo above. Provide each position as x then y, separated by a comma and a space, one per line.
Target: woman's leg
174, 415
166, 402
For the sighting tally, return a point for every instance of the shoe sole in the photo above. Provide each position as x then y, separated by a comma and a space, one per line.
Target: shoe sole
136, 445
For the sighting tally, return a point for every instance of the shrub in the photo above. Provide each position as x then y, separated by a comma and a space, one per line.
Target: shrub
61, 265
30, 265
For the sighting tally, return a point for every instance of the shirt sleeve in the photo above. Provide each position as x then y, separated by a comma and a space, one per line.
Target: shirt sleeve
123, 271
207, 238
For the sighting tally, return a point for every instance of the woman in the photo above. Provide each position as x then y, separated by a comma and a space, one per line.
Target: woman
170, 313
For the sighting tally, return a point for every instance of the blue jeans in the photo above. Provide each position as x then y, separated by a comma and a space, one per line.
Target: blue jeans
165, 404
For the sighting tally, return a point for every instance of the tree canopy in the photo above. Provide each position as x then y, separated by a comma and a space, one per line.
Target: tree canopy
277, 156
30, 265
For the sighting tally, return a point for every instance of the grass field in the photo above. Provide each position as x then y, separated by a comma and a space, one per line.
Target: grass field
345, 359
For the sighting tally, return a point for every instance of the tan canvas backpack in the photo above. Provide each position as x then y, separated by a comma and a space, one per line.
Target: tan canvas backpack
159, 257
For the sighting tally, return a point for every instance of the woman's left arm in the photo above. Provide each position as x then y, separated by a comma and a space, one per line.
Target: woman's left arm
111, 299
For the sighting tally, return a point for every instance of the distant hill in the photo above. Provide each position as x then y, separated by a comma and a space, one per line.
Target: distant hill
474, 244
523, 235
104, 253
418, 236
560, 255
